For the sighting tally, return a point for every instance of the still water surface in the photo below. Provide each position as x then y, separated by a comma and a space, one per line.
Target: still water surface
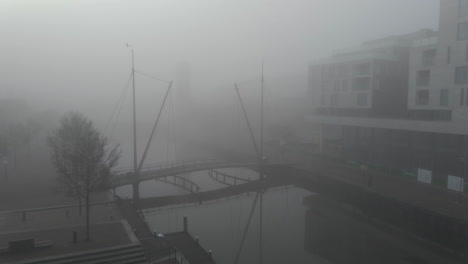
298, 227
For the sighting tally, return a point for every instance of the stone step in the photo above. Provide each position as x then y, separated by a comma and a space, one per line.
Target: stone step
106, 255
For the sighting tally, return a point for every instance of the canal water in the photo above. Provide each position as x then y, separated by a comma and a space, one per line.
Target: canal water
298, 227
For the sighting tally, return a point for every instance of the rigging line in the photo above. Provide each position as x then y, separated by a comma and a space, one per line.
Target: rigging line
173, 124
246, 228
168, 116
248, 124
118, 112
152, 77
154, 129
117, 104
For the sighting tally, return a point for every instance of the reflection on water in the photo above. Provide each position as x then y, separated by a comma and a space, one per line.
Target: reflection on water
219, 226
342, 235
298, 227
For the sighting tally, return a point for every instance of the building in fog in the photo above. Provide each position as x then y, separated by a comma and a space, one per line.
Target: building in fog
400, 103
360, 81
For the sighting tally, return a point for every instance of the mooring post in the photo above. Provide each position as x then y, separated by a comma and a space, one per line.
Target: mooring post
185, 224
210, 255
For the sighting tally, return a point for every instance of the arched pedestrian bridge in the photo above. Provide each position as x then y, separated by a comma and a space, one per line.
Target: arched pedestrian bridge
163, 170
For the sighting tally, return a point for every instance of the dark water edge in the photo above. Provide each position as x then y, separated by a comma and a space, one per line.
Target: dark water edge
299, 226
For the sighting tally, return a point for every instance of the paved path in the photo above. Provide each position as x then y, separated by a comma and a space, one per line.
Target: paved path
102, 235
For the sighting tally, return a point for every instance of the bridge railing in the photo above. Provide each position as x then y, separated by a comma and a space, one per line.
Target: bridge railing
168, 165
181, 182
123, 176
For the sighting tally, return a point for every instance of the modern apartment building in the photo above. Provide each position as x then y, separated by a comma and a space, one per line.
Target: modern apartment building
439, 66
399, 103
368, 81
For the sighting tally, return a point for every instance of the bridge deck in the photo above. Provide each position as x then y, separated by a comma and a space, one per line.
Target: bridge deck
164, 170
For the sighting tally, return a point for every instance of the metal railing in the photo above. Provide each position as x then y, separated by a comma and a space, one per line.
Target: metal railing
168, 165
124, 177
186, 184
225, 178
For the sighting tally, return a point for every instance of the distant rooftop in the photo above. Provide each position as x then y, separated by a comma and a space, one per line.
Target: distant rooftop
376, 49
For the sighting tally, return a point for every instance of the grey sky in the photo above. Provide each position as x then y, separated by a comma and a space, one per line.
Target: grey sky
73, 53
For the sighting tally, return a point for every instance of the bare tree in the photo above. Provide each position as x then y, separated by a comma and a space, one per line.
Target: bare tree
83, 158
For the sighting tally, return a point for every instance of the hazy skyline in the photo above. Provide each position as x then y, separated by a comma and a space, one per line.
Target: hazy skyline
72, 53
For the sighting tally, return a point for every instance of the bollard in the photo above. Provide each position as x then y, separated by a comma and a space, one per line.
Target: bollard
155, 234
196, 240
210, 255
75, 237
185, 224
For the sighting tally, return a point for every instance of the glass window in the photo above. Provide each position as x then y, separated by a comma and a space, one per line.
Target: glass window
449, 54
444, 97
463, 31
463, 8
323, 100
424, 78
361, 69
428, 57
461, 75
361, 84
362, 99
462, 97
343, 70
422, 97
466, 53
334, 100
344, 85
336, 84
466, 96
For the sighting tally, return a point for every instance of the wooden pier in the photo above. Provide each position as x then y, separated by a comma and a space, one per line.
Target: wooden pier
178, 247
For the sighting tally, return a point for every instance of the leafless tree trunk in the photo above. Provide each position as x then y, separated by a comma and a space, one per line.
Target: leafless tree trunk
88, 235
79, 205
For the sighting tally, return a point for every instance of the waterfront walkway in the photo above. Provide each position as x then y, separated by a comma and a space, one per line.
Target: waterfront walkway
430, 197
179, 245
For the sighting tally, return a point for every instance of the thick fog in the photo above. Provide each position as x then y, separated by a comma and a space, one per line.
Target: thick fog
358, 156
72, 55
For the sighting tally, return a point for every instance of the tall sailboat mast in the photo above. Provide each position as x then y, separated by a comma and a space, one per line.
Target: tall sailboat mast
261, 121
136, 191
261, 166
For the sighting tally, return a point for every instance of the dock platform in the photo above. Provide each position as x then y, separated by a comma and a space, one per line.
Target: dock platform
178, 247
